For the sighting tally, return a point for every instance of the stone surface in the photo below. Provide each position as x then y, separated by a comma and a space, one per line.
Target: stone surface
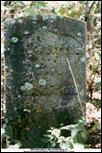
40, 92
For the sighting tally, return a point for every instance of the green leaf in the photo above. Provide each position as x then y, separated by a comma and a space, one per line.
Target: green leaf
63, 146
53, 144
8, 131
42, 3
80, 136
74, 132
29, 11
50, 137
15, 146
97, 85
61, 139
18, 143
56, 132
63, 11
66, 145
45, 140
33, 3
49, 131
18, 4
69, 142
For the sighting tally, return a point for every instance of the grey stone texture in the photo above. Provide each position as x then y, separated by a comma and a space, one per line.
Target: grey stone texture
40, 92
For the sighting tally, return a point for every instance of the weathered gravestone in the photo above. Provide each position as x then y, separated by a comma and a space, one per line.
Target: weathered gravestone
40, 92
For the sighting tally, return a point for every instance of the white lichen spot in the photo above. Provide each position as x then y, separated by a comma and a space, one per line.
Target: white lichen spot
44, 28
26, 32
14, 39
53, 70
42, 82
27, 86
27, 110
83, 59
37, 65
19, 96
79, 34
36, 49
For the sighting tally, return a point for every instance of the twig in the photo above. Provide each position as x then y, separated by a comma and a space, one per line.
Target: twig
75, 86
91, 6
88, 9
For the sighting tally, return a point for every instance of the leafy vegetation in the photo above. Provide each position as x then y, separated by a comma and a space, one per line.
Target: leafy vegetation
77, 137
7, 137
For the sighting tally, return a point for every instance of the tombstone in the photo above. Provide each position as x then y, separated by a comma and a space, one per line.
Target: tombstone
40, 92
